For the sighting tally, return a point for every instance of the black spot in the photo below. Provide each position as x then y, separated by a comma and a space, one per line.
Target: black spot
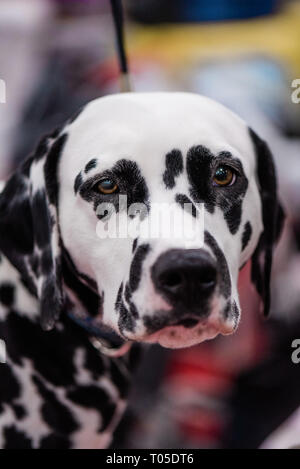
42, 148
134, 245
51, 168
126, 317
199, 170
34, 261
127, 293
119, 297
19, 411
130, 182
136, 266
232, 312
126, 321
16, 439
201, 165
46, 261
26, 340
51, 300
224, 278
7, 294
132, 307
183, 200
235, 313
96, 398
246, 235
233, 217
174, 167
91, 165
273, 219
55, 442
41, 219
55, 414
133, 310
78, 182
16, 235
10, 388
55, 133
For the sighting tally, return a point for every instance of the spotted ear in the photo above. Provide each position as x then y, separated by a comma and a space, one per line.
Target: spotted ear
29, 235
273, 220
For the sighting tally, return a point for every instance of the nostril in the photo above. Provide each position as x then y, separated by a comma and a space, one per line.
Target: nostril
170, 280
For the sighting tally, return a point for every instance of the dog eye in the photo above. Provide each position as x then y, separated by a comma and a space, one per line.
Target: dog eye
107, 186
224, 176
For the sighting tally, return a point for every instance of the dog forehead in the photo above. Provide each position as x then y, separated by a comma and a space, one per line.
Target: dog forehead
146, 126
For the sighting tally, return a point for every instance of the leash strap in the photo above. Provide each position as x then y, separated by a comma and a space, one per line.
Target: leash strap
118, 16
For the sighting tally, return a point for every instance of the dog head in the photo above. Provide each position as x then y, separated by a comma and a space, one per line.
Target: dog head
141, 211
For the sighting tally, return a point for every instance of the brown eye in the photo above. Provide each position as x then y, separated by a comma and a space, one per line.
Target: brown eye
107, 186
224, 176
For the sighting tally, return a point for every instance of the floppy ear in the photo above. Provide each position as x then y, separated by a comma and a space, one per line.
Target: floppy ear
273, 219
29, 235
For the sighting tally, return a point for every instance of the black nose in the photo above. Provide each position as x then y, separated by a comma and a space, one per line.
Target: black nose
185, 277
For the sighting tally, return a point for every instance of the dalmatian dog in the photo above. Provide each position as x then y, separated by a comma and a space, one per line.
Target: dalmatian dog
73, 298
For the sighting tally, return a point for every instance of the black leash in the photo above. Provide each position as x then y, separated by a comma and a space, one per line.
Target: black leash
118, 16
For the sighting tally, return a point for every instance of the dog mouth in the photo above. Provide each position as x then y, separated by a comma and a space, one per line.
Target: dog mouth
186, 332
179, 336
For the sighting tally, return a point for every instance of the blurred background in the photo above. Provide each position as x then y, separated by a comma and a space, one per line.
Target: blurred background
241, 391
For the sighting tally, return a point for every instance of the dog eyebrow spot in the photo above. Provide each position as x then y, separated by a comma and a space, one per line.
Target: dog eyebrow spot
246, 235
182, 200
78, 182
91, 165
198, 166
225, 154
174, 167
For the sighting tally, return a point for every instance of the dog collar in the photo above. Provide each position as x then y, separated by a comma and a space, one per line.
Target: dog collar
101, 337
